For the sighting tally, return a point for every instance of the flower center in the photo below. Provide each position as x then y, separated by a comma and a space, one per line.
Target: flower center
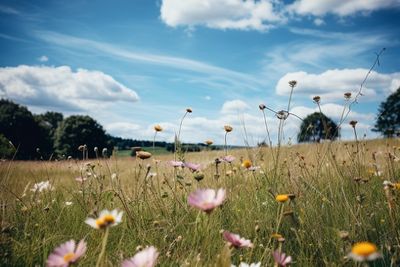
69, 256
282, 198
109, 219
364, 249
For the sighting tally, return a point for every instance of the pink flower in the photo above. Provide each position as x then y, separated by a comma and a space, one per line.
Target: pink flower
281, 259
145, 258
237, 241
192, 166
206, 199
228, 158
176, 163
66, 254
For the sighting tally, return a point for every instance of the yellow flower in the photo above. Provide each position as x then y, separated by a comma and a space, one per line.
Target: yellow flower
396, 186
247, 163
282, 198
363, 251
276, 236
158, 128
106, 218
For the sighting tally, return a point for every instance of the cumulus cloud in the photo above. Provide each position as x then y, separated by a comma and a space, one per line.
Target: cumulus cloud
234, 106
339, 7
331, 84
222, 14
43, 59
61, 87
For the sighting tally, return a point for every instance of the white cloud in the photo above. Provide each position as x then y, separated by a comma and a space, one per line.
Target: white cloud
339, 7
234, 106
61, 87
331, 84
319, 21
222, 14
123, 129
43, 59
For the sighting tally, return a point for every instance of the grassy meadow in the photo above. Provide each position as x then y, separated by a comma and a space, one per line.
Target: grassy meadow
337, 198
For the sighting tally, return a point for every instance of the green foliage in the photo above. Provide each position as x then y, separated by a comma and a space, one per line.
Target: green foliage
78, 130
388, 121
50, 120
6, 149
317, 126
19, 126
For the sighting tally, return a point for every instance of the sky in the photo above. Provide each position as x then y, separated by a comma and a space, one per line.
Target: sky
133, 64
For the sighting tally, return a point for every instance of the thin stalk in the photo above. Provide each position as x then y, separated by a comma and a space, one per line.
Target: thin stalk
103, 247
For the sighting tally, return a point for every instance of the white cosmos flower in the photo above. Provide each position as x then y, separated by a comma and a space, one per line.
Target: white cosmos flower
106, 218
41, 186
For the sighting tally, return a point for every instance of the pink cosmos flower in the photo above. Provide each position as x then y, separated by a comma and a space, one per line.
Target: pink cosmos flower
145, 258
66, 254
281, 259
237, 241
176, 163
206, 199
192, 166
228, 158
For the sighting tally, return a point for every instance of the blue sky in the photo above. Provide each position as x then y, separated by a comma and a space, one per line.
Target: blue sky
133, 64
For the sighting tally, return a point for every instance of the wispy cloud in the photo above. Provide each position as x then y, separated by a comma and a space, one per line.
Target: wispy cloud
247, 80
9, 10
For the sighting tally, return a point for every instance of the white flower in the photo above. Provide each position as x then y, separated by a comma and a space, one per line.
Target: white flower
41, 186
107, 218
243, 264
68, 203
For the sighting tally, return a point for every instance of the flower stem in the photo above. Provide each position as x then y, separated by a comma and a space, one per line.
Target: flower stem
103, 247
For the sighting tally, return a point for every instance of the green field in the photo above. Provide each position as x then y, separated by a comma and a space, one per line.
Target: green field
339, 199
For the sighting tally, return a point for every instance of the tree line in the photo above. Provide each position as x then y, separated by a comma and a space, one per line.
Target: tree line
27, 136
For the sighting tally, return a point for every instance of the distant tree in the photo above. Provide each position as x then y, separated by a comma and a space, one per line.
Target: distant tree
18, 125
317, 126
50, 120
77, 130
7, 150
388, 120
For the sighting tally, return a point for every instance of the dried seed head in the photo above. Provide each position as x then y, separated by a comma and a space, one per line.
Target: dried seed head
158, 128
208, 142
282, 115
353, 123
143, 154
228, 128
347, 95
261, 106
317, 99
189, 110
292, 83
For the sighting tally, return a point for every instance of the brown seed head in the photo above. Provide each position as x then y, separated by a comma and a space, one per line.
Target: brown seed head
143, 154
189, 110
208, 142
261, 106
158, 128
347, 95
317, 99
353, 123
292, 83
228, 128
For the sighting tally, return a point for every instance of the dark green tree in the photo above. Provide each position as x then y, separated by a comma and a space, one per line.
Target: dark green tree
316, 127
388, 120
50, 120
78, 130
19, 126
7, 150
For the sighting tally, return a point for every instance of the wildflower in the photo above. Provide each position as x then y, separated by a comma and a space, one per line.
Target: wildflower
347, 95
177, 163
68, 203
292, 83
192, 166
236, 241
247, 163
42, 186
145, 258
228, 128
206, 199
282, 198
243, 264
261, 106
199, 176
253, 168
396, 186
80, 179
353, 123
364, 251
107, 218
189, 110
143, 154
317, 99
208, 142
281, 259
228, 158
158, 128
66, 254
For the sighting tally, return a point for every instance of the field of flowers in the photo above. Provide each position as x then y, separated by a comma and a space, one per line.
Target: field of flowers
326, 204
